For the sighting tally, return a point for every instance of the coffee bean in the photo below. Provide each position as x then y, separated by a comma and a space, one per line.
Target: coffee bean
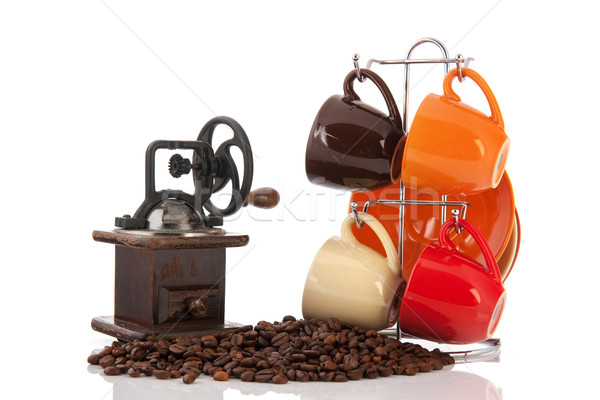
118, 352
237, 340
424, 366
106, 361
384, 371
178, 349
138, 353
309, 367
301, 376
330, 340
263, 376
410, 371
380, 351
134, 373
291, 374
408, 347
268, 334
208, 338
353, 363
436, 363
311, 353
124, 368
447, 359
280, 339
112, 370
329, 366
371, 343
250, 335
340, 378
293, 327
372, 372
248, 363
334, 324
221, 376
144, 366
221, 361
209, 344
326, 376
298, 357
120, 360
286, 348
94, 359
309, 329
192, 364
289, 318
247, 376
206, 367
324, 358
279, 365
230, 365
161, 374
279, 379
355, 374
243, 329
237, 371
189, 378
398, 369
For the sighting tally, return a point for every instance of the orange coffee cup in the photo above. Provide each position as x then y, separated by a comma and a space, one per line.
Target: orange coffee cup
452, 147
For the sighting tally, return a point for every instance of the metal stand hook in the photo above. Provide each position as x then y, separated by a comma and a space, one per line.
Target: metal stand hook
355, 58
455, 214
357, 221
459, 61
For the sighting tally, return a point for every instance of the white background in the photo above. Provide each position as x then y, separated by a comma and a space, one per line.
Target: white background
86, 85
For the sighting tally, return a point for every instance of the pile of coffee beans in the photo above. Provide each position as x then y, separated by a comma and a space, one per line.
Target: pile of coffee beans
297, 350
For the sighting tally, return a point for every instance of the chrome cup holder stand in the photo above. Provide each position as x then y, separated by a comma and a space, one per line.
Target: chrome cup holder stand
488, 349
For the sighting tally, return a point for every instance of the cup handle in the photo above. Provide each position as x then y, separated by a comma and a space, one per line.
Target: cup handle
490, 261
489, 95
383, 88
384, 237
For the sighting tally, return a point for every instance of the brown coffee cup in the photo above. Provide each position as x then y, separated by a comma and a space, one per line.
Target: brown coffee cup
353, 145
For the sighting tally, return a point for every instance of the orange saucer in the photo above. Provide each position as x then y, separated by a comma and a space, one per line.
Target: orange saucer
507, 260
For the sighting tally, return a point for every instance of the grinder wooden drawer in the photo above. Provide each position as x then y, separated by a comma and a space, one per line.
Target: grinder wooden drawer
197, 303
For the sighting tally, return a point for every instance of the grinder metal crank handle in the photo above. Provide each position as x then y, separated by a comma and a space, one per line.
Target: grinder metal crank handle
263, 198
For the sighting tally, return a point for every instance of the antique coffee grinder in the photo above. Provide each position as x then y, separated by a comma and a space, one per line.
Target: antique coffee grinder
170, 256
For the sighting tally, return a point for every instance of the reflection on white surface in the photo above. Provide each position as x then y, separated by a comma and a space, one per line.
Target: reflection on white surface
447, 384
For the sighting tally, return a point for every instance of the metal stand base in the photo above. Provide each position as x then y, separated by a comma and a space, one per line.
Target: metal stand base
487, 350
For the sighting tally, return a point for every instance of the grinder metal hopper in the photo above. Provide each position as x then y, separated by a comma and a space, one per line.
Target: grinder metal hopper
170, 256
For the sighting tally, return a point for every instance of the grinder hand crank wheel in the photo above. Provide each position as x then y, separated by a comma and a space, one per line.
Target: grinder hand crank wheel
227, 169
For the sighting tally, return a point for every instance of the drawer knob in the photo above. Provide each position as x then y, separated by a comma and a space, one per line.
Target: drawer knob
197, 307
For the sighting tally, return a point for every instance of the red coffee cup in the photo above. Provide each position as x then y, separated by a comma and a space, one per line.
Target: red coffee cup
451, 298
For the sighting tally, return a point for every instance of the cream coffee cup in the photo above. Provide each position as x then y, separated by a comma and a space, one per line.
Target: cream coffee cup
354, 283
